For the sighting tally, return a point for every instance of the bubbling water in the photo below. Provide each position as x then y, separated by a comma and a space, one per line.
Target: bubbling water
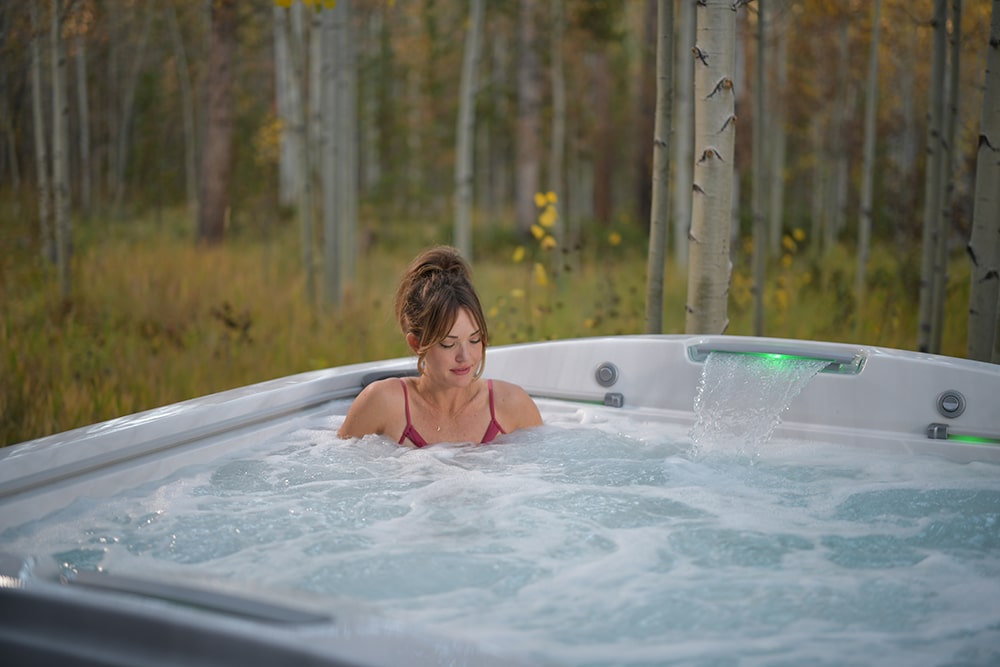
596, 539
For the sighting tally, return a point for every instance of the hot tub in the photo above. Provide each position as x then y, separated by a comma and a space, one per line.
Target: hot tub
159, 537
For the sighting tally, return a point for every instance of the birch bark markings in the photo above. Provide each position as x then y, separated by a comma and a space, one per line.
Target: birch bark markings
465, 132
867, 169
684, 130
984, 244
714, 131
659, 212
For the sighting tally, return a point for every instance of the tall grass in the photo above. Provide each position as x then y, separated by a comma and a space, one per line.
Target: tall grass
154, 319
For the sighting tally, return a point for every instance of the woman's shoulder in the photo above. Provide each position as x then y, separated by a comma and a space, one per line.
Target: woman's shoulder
515, 405
374, 409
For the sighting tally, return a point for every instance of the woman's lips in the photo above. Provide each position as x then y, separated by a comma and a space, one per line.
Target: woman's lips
461, 371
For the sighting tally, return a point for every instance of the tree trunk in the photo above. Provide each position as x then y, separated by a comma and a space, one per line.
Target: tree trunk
939, 291
867, 171
659, 212
760, 241
465, 132
557, 144
645, 112
984, 244
777, 137
187, 113
528, 117
60, 153
216, 157
288, 101
684, 130
347, 132
128, 111
83, 113
710, 266
45, 227
932, 177
325, 122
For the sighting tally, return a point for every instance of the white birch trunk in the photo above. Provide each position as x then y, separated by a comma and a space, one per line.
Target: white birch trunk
557, 144
710, 266
760, 228
60, 154
932, 177
984, 244
42, 166
346, 142
83, 113
187, 113
867, 170
659, 212
465, 133
684, 130
327, 97
299, 128
939, 290
778, 139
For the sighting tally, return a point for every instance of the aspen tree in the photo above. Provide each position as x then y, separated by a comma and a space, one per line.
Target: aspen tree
984, 244
464, 132
710, 267
660, 207
867, 169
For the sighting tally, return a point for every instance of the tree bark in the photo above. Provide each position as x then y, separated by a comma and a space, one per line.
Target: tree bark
932, 177
760, 230
867, 170
710, 266
939, 290
216, 160
984, 243
122, 144
60, 153
659, 212
684, 130
83, 113
45, 226
528, 117
325, 119
187, 113
465, 132
557, 144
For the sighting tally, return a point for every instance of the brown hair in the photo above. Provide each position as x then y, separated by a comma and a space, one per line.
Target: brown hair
437, 284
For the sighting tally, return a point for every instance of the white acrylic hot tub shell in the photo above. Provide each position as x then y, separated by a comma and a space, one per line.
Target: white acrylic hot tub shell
888, 404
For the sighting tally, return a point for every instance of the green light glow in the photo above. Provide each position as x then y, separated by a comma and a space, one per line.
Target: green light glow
973, 439
780, 359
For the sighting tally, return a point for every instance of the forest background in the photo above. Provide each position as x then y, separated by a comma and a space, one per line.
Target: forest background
150, 310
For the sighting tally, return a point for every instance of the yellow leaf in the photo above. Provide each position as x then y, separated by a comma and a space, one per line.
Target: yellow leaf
548, 243
799, 235
537, 232
541, 277
329, 4
789, 243
614, 238
284, 3
518, 255
517, 293
539, 199
551, 197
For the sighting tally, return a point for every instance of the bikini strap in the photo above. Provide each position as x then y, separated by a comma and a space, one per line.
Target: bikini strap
406, 403
493, 414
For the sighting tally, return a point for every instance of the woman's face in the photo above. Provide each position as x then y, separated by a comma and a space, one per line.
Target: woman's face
456, 359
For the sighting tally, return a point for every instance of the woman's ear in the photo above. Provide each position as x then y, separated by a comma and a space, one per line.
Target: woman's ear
413, 342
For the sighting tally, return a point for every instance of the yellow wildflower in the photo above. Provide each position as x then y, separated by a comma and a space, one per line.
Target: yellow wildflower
799, 235
789, 243
538, 232
548, 243
494, 311
614, 238
786, 260
518, 255
548, 216
589, 323
541, 277
517, 293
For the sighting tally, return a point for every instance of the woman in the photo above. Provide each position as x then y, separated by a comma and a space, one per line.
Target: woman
440, 315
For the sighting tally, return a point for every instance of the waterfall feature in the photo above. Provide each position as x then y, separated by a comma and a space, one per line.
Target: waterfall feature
741, 397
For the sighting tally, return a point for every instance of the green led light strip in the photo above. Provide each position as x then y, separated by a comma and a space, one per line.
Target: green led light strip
973, 439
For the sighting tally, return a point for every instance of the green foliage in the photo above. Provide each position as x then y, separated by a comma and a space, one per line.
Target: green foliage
154, 319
